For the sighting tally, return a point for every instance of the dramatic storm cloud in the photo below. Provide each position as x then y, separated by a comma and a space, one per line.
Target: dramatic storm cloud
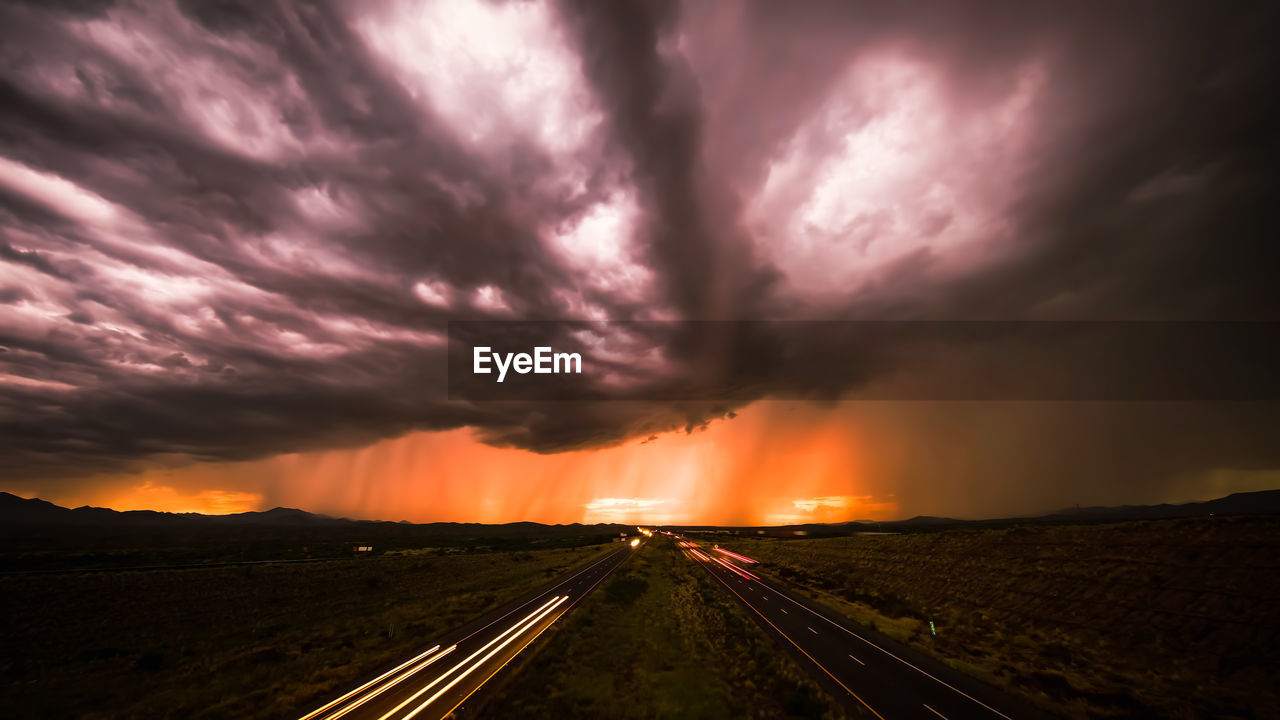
232, 231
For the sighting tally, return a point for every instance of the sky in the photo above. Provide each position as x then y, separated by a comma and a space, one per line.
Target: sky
232, 236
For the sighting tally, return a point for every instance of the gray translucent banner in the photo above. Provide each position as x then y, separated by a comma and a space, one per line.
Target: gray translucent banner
918, 360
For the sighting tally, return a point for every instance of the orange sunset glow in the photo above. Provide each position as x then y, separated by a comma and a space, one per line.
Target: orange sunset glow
267, 303
763, 467
430, 359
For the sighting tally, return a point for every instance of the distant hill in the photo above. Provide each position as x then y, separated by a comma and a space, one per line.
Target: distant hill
18, 512
37, 536
1263, 502
925, 520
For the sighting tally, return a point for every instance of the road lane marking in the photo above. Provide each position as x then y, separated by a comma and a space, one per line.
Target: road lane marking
859, 661
735, 569
890, 654
539, 596
935, 712
784, 611
797, 646
533, 616
374, 681
815, 632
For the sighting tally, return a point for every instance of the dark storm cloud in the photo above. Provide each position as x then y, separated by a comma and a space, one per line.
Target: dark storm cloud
237, 229
652, 102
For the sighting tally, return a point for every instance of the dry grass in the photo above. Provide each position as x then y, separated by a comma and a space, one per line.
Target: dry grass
1172, 618
658, 640
244, 642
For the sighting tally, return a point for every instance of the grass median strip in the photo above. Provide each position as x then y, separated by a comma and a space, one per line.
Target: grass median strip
657, 640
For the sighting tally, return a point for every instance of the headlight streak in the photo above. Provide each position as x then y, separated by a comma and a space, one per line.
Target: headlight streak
563, 612
354, 699
380, 678
536, 614
521, 628
389, 685
736, 556
739, 571
793, 642
837, 625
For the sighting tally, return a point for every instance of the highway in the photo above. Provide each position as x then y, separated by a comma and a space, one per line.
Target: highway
874, 675
434, 682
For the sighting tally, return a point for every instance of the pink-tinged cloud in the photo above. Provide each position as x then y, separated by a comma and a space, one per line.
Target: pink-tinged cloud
231, 236
889, 166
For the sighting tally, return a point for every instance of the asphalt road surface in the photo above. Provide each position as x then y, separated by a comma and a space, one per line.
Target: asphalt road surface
874, 675
436, 681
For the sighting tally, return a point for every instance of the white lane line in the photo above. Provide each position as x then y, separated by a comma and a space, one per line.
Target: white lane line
784, 611
895, 657
797, 646
815, 632
859, 661
935, 712
531, 617
535, 598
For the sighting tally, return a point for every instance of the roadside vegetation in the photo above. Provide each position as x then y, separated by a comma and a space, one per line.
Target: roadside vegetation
1172, 618
260, 641
658, 639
